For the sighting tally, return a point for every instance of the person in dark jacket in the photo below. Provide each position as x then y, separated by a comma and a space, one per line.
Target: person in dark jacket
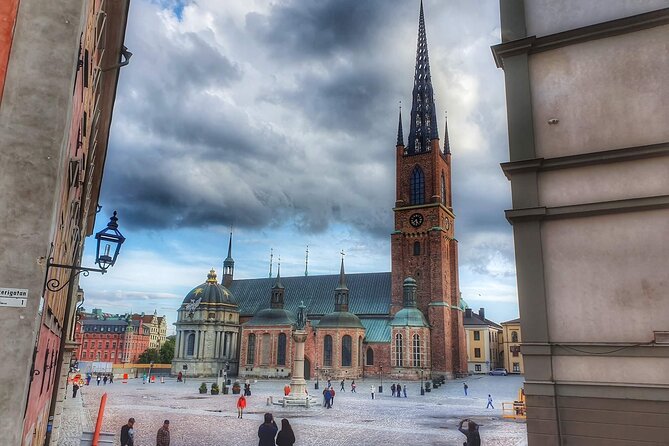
472, 433
392, 389
128, 433
286, 437
75, 388
399, 390
267, 431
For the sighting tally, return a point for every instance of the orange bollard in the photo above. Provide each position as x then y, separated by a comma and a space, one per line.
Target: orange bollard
98, 423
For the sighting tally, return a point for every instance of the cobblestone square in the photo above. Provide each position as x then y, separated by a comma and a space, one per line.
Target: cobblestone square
355, 419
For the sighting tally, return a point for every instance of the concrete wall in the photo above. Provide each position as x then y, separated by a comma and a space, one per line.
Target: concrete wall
549, 16
33, 123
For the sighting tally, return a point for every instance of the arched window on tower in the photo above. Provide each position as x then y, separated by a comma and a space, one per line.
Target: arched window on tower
370, 356
346, 351
281, 350
327, 351
416, 248
514, 336
190, 344
443, 189
417, 186
399, 351
251, 349
417, 354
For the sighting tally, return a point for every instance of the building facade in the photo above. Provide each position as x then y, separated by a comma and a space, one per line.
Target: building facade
57, 100
510, 342
588, 106
157, 328
399, 323
483, 342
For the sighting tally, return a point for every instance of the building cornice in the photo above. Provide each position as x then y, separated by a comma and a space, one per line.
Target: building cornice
533, 44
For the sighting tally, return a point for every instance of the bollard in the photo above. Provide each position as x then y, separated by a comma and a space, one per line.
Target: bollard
268, 401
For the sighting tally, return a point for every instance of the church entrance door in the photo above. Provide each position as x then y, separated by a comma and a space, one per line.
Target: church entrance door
307, 369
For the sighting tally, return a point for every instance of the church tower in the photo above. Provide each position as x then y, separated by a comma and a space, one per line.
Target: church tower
423, 244
228, 266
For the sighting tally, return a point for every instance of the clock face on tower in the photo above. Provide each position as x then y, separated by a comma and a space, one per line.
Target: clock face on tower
416, 220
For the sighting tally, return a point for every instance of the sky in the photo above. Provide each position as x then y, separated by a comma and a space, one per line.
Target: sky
279, 119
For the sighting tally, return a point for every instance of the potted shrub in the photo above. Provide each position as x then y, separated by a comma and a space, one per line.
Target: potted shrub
214, 389
203, 388
236, 388
226, 389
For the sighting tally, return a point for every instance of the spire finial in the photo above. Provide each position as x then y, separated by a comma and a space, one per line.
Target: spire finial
230, 244
306, 262
447, 143
400, 134
423, 124
342, 274
271, 260
278, 269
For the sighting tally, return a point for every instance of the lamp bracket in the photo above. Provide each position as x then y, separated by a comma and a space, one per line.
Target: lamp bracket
54, 284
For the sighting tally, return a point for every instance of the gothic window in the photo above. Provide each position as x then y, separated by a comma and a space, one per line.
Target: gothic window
346, 351
417, 145
190, 344
251, 349
443, 189
417, 353
281, 350
514, 336
417, 186
327, 351
370, 356
416, 248
417, 121
398, 350
266, 349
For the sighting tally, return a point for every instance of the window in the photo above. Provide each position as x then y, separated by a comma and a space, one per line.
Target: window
443, 189
398, 350
327, 351
417, 358
99, 344
477, 335
370, 356
477, 352
281, 350
515, 350
514, 336
477, 367
107, 344
113, 344
516, 367
417, 186
190, 344
266, 349
346, 351
112, 355
85, 344
416, 248
83, 355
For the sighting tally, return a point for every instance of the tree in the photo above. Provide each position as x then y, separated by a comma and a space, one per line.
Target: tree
149, 355
167, 350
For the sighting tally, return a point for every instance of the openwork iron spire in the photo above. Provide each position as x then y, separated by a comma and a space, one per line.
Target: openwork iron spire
423, 114
400, 134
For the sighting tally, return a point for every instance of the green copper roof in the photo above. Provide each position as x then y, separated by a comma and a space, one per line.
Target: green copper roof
376, 330
409, 317
340, 319
210, 292
272, 316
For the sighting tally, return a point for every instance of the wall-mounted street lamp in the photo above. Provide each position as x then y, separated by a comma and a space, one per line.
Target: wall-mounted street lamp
109, 242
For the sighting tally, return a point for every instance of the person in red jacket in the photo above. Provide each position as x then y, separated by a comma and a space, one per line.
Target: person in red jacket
241, 405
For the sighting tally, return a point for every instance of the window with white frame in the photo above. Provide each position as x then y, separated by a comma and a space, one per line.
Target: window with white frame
417, 352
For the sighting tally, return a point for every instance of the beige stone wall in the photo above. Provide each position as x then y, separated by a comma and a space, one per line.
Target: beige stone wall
601, 102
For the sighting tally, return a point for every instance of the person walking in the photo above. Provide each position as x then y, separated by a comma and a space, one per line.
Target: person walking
75, 389
353, 387
332, 394
392, 389
99, 378
472, 433
111, 378
104, 380
399, 390
241, 405
128, 433
163, 436
180, 377
267, 431
342, 386
465, 386
328, 398
489, 402
329, 383
405, 391
372, 389
286, 437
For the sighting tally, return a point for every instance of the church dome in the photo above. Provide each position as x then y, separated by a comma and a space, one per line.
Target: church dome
272, 316
409, 317
340, 319
210, 292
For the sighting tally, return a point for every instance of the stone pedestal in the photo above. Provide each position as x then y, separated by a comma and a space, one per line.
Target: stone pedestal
298, 386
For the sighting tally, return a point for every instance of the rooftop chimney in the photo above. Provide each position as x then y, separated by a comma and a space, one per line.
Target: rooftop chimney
482, 313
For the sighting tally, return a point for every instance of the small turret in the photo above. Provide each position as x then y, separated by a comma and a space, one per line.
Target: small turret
228, 266
278, 291
341, 292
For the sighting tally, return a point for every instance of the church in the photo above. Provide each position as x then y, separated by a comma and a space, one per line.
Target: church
400, 324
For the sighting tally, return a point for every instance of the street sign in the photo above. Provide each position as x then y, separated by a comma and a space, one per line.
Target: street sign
13, 297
